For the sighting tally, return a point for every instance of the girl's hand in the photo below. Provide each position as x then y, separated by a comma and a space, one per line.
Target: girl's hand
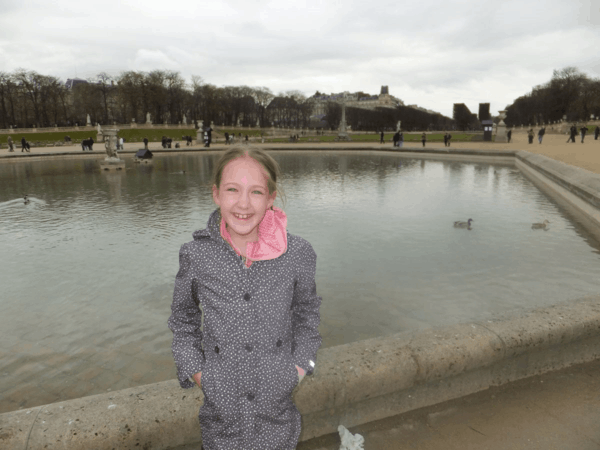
301, 373
197, 377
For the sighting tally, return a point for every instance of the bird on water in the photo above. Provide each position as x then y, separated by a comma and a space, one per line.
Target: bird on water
466, 224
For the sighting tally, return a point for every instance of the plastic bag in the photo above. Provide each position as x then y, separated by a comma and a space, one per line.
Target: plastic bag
350, 441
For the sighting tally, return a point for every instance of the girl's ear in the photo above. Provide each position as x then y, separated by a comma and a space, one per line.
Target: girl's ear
215, 192
271, 200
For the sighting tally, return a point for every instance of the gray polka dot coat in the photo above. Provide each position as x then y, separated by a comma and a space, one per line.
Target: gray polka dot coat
259, 322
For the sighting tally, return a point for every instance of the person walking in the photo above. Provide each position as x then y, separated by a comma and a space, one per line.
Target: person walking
541, 134
396, 138
381, 138
530, 135
446, 140
596, 132
121, 144
145, 143
400, 139
423, 138
509, 134
260, 285
10, 144
583, 130
23, 145
226, 138
573, 131
448, 136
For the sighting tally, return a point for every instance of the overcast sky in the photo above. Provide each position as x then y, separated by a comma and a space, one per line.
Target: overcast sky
429, 52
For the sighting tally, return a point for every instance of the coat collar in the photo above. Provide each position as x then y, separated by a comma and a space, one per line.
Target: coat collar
272, 235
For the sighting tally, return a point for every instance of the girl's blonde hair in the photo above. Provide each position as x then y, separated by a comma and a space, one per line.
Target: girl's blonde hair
271, 167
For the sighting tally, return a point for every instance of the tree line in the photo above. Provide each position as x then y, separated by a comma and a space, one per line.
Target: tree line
569, 93
29, 99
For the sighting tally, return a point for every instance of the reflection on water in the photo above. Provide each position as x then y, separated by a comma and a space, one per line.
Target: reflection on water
88, 266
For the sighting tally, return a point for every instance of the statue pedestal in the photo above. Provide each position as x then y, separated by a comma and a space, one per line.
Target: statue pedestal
501, 128
112, 164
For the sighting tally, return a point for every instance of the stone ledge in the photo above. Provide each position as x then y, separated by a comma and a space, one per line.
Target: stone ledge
353, 383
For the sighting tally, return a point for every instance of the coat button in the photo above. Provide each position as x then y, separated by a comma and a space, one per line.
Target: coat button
246, 296
279, 343
248, 348
216, 349
250, 397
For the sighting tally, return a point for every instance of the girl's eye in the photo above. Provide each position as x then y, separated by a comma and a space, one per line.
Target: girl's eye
234, 189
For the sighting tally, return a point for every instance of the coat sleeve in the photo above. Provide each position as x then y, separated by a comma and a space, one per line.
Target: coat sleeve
185, 322
305, 312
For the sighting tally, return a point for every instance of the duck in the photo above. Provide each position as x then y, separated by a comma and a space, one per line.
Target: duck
26, 199
466, 224
540, 225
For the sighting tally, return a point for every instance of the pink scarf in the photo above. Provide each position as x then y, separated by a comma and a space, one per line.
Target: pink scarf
272, 237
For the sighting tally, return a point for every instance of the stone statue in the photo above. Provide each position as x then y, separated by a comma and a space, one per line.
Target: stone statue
398, 125
89, 122
184, 120
148, 120
257, 122
99, 129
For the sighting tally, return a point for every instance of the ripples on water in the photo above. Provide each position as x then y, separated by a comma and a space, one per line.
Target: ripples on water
94, 255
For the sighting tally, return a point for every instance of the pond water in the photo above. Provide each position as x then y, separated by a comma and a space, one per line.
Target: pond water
88, 266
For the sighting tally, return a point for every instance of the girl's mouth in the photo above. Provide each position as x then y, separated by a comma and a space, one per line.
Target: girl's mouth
243, 217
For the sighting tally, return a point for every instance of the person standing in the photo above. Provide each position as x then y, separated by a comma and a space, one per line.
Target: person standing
247, 377
573, 131
145, 143
121, 144
23, 145
448, 137
226, 138
530, 135
381, 138
541, 134
583, 130
509, 134
423, 138
446, 140
596, 132
401, 139
396, 138
11, 145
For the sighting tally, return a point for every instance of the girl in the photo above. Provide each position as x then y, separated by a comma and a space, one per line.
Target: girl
255, 284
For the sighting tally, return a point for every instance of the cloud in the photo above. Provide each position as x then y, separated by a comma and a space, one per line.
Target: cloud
432, 53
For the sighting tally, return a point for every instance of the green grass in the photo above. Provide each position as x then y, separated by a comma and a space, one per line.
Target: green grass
131, 135
155, 135
414, 137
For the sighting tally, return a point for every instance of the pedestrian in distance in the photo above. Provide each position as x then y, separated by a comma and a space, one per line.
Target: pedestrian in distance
10, 144
24, 145
530, 135
541, 134
509, 135
396, 138
596, 132
573, 133
260, 284
447, 137
226, 138
121, 144
423, 138
145, 143
583, 130
401, 139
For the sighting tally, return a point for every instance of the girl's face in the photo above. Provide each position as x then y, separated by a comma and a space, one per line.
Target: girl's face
244, 193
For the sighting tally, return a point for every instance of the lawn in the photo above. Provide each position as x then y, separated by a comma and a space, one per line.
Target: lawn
131, 135
413, 137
